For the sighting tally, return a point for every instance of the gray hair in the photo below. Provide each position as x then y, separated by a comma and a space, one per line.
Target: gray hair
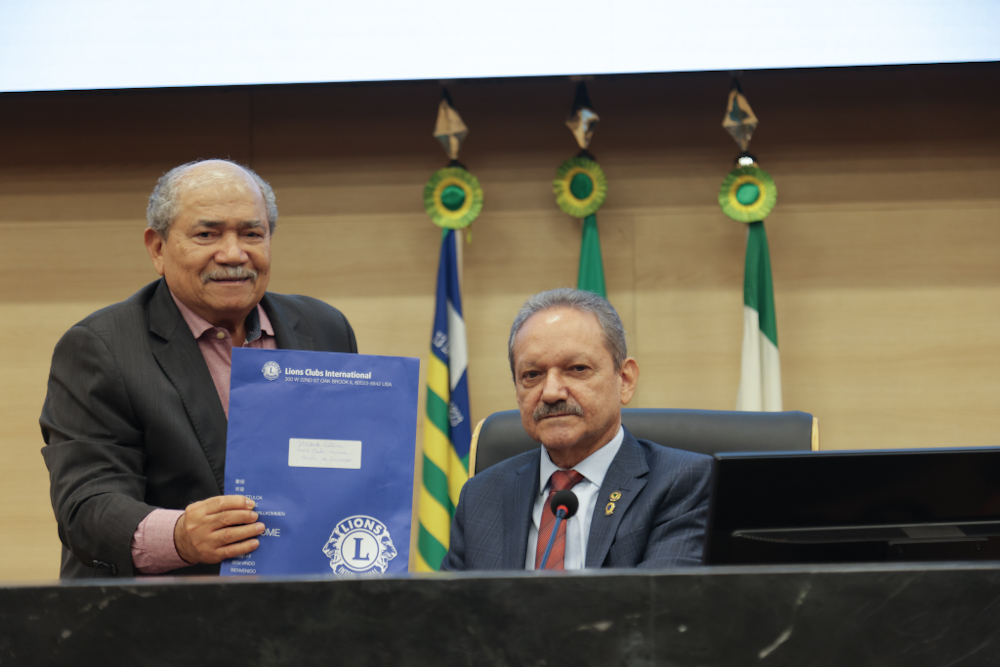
587, 302
161, 211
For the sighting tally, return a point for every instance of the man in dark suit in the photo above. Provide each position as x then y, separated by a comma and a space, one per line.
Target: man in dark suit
138, 396
641, 504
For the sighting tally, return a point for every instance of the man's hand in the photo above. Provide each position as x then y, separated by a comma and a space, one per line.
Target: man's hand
213, 530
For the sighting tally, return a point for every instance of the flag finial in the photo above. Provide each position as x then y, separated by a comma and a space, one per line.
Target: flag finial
739, 119
450, 130
582, 117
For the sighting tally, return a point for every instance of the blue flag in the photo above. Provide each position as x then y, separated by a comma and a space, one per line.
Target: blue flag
447, 431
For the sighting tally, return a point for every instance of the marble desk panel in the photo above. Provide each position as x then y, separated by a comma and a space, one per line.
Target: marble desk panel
941, 614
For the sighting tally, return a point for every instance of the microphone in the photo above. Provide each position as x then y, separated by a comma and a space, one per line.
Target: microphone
566, 502
564, 505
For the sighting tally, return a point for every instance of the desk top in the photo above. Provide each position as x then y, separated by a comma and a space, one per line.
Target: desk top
933, 614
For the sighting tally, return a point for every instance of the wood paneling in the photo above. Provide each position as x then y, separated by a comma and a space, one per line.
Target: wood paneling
885, 242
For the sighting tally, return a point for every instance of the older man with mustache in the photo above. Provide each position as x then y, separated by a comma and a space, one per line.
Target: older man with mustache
641, 505
138, 396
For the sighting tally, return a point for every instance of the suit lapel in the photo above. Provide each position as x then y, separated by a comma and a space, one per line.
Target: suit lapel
519, 497
287, 333
625, 475
177, 353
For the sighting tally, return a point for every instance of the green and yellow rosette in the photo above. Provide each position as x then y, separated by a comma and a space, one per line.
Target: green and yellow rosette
748, 194
453, 198
580, 187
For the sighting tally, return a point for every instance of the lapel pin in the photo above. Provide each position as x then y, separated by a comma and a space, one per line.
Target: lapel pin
615, 496
609, 509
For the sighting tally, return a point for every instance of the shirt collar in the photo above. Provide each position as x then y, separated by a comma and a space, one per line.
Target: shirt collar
594, 468
256, 323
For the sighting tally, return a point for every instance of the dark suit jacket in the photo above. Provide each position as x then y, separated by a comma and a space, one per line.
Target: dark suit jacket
658, 522
132, 420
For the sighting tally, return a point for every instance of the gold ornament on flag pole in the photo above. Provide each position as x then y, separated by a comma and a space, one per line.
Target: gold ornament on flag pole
580, 185
449, 129
748, 193
453, 197
581, 188
739, 120
582, 118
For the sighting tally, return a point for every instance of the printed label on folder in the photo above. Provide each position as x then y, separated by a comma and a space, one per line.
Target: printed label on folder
309, 453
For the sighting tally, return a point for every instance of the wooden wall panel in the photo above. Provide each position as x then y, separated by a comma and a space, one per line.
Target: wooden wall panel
885, 241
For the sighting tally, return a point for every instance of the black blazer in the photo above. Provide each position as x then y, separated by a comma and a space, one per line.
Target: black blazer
132, 420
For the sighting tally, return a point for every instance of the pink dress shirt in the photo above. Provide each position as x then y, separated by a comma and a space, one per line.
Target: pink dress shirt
153, 549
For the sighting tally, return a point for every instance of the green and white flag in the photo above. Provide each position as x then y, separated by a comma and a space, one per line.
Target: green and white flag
760, 371
591, 274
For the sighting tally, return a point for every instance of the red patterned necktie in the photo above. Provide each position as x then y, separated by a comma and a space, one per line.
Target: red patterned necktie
561, 480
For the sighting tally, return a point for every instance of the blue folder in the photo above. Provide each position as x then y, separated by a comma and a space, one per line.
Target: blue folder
324, 443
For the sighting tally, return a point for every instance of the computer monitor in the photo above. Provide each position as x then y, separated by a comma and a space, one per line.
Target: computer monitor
854, 506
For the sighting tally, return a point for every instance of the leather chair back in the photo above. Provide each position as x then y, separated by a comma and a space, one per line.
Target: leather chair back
501, 436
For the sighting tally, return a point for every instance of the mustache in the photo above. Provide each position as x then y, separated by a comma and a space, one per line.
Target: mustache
229, 273
552, 409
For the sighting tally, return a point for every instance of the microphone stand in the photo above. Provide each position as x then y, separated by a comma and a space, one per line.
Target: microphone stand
552, 538
564, 505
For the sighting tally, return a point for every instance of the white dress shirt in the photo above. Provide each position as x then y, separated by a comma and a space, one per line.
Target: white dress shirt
593, 468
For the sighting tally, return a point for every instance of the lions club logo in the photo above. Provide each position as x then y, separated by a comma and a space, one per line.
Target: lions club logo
360, 545
271, 370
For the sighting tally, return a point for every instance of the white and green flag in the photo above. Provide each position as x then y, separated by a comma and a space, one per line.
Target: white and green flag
760, 371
